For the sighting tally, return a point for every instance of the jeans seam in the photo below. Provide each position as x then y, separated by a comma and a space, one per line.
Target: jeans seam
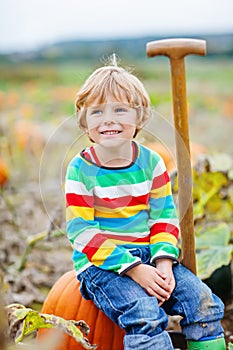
104, 295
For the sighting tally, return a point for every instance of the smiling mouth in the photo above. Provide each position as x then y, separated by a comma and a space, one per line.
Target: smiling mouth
110, 132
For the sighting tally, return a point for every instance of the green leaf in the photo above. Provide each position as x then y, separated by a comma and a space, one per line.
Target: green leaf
213, 249
214, 236
209, 260
206, 185
24, 321
219, 209
198, 210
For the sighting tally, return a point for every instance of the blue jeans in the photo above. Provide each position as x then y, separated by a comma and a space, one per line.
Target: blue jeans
127, 304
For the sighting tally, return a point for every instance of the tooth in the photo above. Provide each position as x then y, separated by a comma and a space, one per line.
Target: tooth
110, 132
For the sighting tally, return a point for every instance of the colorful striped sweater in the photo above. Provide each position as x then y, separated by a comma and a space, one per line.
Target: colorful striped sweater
111, 210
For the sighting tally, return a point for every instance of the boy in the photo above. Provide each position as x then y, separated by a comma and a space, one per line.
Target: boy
122, 223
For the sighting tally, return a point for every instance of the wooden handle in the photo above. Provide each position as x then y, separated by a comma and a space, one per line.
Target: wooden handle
176, 48
183, 163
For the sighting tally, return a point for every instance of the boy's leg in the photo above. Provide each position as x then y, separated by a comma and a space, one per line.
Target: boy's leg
201, 310
127, 304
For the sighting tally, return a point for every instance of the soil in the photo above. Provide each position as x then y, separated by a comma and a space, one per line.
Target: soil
49, 258
31, 205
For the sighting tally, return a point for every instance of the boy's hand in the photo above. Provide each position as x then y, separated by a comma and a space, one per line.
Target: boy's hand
165, 267
155, 281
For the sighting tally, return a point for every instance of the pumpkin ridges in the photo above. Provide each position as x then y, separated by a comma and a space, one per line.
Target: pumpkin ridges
90, 317
51, 300
52, 304
103, 323
71, 289
108, 326
65, 298
71, 343
116, 334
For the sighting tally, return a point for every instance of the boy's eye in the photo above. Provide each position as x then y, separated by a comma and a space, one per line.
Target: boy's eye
120, 110
96, 112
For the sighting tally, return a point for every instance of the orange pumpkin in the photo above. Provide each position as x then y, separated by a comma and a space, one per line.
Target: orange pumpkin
28, 137
228, 108
65, 300
4, 172
164, 153
196, 150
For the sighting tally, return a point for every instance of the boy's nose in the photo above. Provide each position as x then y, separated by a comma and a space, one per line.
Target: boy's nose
108, 117
109, 122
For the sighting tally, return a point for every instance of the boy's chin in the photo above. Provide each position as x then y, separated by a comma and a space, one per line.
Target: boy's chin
114, 142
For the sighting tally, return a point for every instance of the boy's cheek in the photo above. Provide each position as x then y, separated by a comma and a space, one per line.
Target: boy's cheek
92, 125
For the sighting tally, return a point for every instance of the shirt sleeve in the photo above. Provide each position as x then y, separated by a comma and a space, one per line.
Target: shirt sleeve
91, 246
163, 222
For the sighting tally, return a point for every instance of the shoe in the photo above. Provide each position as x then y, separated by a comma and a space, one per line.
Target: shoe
213, 344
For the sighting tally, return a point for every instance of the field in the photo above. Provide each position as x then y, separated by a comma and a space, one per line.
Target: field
39, 135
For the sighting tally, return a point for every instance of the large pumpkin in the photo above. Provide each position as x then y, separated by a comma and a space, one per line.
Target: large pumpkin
65, 300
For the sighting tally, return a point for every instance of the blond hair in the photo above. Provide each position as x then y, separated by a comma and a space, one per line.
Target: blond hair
118, 84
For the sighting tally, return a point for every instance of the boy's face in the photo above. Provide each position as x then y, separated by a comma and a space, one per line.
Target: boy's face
111, 123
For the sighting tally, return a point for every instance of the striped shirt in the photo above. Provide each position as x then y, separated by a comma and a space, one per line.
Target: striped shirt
112, 210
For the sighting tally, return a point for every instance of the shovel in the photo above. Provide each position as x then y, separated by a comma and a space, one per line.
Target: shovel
176, 50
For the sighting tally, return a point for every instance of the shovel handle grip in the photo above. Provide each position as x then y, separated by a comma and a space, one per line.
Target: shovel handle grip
176, 48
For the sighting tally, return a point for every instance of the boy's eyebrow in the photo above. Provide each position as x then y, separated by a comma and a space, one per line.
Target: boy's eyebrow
96, 106
117, 103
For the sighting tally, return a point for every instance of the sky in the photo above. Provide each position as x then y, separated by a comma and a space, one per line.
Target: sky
29, 24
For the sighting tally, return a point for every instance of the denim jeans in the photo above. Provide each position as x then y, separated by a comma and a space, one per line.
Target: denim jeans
128, 304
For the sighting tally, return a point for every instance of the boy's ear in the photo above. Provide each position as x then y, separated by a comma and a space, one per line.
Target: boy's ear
143, 122
141, 125
143, 117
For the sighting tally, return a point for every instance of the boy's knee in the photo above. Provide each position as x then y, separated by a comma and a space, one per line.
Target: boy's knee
195, 296
204, 320
144, 316
210, 306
